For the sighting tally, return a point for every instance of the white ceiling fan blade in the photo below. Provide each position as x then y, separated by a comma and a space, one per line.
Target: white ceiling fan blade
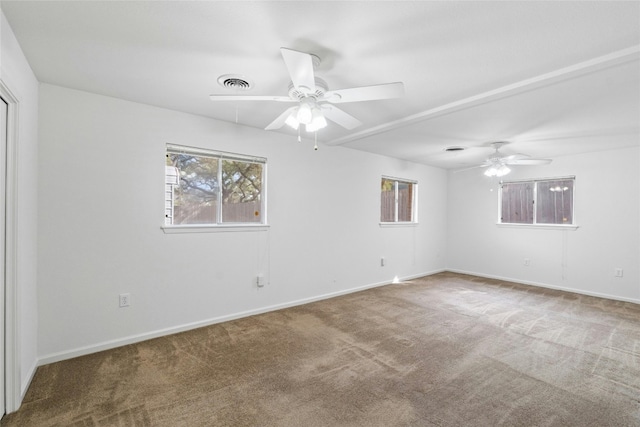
469, 168
280, 120
300, 67
529, 162
366, 93
515, 157
250, 98
338, 116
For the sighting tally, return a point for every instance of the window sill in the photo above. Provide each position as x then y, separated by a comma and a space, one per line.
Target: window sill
205, 228
398, 224
572, 227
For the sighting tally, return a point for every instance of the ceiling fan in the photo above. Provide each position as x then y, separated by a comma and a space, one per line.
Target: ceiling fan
498, 164
313, 98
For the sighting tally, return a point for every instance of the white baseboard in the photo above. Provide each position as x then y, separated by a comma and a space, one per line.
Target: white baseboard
26, 382
545, 285
24, 387
132, 339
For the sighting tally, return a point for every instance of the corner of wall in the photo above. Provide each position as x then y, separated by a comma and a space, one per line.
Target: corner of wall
22, 87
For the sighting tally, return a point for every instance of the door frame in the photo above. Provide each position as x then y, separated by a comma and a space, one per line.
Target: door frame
12, 393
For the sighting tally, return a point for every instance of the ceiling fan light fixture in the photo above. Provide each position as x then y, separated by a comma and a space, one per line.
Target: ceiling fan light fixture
503, 170
317, 121
292, 120
497, 170
305, 111
492, 171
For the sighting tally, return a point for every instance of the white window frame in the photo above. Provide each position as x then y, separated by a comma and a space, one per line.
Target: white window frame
220, 226
414, 203
535, 181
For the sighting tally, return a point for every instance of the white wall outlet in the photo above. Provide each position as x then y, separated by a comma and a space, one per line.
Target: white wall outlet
382, 261
618, 272
527, 262
124, 300
260, 280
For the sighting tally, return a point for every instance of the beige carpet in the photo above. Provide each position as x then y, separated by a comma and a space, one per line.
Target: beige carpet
445, 350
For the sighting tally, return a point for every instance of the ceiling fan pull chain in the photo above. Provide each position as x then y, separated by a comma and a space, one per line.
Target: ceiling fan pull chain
315, 140
299, 139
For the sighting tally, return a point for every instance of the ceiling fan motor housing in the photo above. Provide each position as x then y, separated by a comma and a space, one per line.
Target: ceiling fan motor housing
300, 93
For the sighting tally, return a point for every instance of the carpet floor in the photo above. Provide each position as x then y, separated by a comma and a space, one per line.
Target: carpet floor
443, 350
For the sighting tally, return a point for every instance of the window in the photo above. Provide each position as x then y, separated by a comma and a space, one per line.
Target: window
541, 202
397, 200
213, 188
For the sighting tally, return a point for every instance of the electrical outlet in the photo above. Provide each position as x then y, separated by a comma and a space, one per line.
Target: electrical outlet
124, 300
260, 281
382, 261
527, 262
618, 272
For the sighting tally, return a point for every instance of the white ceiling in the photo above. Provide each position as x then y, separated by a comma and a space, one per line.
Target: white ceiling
552, 78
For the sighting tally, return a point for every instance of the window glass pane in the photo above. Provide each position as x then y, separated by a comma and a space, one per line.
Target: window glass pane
195, 198
517, 203
387, 200
555, 202
212, 188
241, 191
405, 201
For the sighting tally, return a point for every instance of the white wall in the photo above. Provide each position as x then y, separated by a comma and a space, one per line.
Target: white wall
17, 75
607, 210
101, 196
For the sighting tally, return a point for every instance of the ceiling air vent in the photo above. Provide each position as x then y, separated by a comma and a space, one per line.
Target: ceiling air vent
235, 82
455, 149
